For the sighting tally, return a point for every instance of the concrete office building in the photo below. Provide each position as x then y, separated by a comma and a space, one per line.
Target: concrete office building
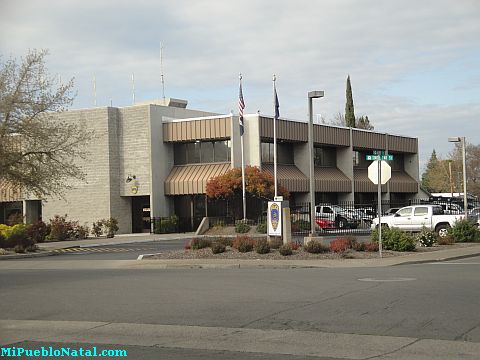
154, 160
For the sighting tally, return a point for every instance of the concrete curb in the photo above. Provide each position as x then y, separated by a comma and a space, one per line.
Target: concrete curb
459, 257
28, 255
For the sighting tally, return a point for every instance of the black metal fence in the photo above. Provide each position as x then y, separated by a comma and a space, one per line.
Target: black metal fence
343, 218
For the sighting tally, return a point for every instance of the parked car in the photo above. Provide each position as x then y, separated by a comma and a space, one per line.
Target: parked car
415, 218
366, 214
325, 224
340, 216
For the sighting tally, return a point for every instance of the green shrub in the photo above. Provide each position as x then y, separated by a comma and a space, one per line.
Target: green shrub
37, 232
19, 249
285, 250
223, 240
242, 228
200, 243
316, 247
464, 231
97, 228
165, 225
427, 237
80, 232
262, 246
219, 223
262, 228
395, 239
359, 246
445, 240
110, 227
12, 236
275, 242
243, 243
218, 248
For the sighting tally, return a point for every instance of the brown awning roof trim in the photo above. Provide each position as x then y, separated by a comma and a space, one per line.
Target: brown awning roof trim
192, 179
201, 129
402, 182
9, 192
363, 184
289, 176
331, 179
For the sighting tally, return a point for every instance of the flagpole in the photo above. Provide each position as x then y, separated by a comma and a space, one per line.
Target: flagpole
241, 105
275, 110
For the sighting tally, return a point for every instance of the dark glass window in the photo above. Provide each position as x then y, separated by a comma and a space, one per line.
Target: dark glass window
201, 152
284, 153
325, 156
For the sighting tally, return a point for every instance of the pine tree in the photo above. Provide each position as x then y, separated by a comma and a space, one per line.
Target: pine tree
428, 173
349, 110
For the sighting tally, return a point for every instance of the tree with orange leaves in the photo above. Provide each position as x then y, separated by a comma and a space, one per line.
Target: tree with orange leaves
258, 184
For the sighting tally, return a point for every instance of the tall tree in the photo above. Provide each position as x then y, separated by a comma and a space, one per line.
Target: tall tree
363, 122
349, 110
437, 178
38, 152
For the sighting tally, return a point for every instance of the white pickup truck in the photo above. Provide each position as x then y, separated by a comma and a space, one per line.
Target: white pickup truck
414, 218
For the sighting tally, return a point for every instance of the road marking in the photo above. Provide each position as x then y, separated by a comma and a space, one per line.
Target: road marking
387, 280
97, 250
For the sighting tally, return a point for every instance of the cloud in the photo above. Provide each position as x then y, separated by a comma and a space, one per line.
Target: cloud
396, 52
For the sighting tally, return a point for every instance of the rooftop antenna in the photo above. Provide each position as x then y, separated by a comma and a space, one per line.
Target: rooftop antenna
133, 89
161, 71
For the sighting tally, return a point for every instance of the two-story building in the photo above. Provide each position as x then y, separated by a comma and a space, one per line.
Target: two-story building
154, 160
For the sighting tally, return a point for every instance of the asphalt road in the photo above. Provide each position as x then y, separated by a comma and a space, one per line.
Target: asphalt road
414, 303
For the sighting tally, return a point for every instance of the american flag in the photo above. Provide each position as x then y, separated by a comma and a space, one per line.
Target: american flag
241, 106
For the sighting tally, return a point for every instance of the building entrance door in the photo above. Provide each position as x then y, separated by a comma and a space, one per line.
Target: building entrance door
140, 214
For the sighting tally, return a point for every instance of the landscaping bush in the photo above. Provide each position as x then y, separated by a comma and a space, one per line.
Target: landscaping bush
275, 242
294, 245
339, 245
19, 249
223, 240
358, 246
200, 243
446, 240
218, 248
371, 246
262, 246
19, 238
37, 232
262, 228
110, 227
60, 229
316, 247
80, 232
243, 243
464, 231
285, 250
97, 228
427, 237
2, 241
395, 239
242, 228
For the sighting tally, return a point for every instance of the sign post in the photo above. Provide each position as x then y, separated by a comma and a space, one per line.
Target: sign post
379, 173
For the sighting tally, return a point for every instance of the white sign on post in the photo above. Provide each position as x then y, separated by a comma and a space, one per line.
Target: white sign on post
385, 172
274, 216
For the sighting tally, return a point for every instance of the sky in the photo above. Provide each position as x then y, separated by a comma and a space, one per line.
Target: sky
414, 65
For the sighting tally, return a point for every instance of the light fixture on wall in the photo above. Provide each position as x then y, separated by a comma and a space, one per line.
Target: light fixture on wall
130, 178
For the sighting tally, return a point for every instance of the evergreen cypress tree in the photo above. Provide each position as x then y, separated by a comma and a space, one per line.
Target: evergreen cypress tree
429, 174
349, 111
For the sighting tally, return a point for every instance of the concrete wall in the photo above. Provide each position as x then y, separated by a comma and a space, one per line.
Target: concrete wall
88, 200
252, 141
236, 153
345, 165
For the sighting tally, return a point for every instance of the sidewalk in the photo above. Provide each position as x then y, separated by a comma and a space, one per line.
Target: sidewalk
117, 240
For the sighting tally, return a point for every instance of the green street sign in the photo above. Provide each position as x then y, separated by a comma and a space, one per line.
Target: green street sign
378, 157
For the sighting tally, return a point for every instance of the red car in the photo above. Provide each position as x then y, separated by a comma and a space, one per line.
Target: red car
325, 224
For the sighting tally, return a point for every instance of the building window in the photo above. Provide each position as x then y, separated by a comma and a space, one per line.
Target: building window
201, 152
284, 153
325, 156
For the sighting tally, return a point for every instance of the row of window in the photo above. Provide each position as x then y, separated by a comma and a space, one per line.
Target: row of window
220, 151
202, 152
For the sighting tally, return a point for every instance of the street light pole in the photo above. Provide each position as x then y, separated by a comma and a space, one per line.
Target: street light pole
464, 165
311, 96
